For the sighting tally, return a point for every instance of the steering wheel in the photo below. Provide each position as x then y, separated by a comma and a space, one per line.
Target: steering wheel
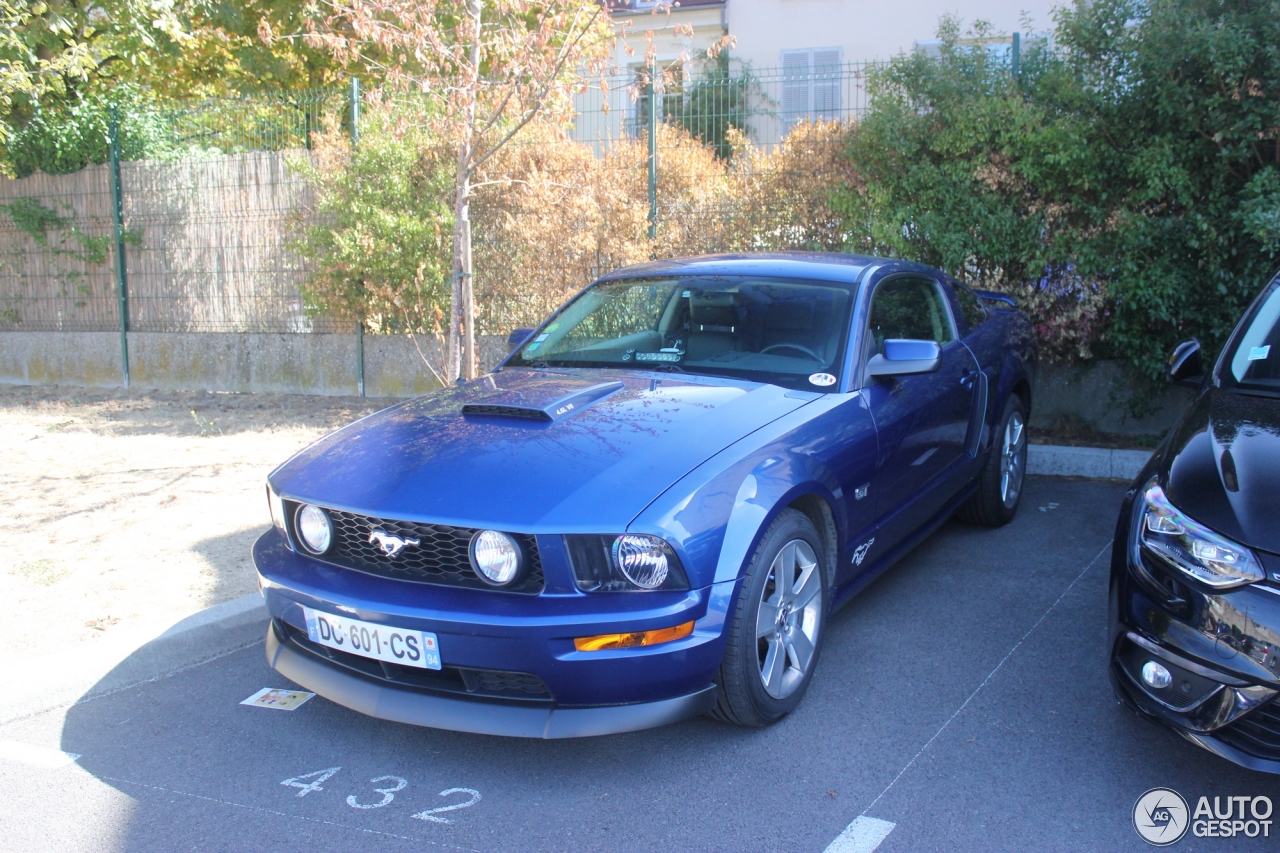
813, 355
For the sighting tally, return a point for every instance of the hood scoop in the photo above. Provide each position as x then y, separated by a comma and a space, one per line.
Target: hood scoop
559, 408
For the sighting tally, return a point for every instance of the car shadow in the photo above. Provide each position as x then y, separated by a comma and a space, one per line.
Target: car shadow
932, 691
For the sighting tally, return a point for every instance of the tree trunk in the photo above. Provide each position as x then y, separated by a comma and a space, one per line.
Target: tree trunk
462, 311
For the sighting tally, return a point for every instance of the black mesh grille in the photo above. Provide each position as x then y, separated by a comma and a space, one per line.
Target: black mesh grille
1257, 733
478, 682
440, 557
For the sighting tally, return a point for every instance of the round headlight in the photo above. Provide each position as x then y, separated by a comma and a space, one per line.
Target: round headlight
641, 559
495, 557
314, 528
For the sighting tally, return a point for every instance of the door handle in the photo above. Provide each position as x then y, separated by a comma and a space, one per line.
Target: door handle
967, 377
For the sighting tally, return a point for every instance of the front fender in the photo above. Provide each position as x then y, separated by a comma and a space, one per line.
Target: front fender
716, 515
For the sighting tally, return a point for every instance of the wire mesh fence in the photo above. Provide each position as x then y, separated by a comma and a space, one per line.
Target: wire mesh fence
653, 165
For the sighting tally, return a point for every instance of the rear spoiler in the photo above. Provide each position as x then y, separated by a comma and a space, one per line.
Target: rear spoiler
997, 297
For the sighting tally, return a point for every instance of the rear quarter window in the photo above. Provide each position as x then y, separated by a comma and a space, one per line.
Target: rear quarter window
971, 307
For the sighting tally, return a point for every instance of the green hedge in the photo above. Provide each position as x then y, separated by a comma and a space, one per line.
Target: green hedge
1126, 182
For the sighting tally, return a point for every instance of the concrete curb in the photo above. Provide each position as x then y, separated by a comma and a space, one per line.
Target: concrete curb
1095, 462
50, 681
45, 682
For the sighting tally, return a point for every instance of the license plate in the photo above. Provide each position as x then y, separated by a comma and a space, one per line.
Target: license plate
393, 645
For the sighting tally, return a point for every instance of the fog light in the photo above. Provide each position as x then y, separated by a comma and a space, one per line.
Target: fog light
496, 558
1155, 675
314, 528
631, 640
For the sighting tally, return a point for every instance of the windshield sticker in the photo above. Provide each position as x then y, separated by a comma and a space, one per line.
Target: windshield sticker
1259, 353
822, 379
532, 347
553, 327
540, 338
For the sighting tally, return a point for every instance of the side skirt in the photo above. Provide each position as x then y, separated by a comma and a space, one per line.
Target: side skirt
846, 593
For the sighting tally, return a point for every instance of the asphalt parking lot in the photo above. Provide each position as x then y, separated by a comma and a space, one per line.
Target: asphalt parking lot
962, 699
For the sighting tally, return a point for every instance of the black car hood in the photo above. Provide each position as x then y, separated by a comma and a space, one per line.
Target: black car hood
1222, 466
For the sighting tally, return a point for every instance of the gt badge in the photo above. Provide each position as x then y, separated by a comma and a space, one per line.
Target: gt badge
391, 544
861, 492
861, 553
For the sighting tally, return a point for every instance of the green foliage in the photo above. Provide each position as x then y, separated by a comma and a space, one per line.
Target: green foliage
41, 223
719, 103
53, 51
66, 137
378, 237
1125, 186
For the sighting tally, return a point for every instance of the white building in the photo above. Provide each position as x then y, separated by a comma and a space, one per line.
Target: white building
806, 52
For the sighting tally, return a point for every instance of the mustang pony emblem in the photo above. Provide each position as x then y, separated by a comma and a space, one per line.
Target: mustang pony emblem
391, 544
861, 554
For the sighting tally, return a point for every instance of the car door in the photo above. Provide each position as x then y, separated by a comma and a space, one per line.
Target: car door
923, 420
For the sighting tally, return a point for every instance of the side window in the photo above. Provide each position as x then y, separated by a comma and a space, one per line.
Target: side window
909, 308
971, 306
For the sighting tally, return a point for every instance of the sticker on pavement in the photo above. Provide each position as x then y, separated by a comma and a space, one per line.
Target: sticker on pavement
281, 700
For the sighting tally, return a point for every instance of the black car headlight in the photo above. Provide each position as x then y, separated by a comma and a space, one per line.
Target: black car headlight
1191, 548
627, 562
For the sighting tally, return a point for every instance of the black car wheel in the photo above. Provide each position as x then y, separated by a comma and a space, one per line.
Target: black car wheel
773, 642
1000, 483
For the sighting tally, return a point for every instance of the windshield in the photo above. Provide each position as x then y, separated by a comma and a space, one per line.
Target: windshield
784, 332
1254, 363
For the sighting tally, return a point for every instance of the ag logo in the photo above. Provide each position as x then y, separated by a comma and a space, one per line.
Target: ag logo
1160, 817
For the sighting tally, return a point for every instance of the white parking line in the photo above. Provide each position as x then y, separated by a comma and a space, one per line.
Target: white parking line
35, 756
990, 675
861, 836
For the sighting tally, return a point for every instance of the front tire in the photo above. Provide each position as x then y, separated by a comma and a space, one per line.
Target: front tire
773, 641
1000, 483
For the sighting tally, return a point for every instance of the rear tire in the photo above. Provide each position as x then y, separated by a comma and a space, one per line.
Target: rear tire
776, 633
1002, 478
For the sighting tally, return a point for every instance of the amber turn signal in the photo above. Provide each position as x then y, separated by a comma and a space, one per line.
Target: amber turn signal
627, 641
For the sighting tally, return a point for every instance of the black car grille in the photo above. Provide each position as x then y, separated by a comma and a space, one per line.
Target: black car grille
494, 684
1257, 733
440, 557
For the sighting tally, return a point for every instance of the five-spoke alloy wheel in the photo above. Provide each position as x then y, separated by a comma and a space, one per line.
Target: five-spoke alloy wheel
773, 643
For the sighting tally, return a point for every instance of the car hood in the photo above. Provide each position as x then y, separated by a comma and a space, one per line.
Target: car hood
1223, 466
572, 450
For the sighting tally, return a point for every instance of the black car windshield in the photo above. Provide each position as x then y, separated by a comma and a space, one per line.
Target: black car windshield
780, 331
1254, 362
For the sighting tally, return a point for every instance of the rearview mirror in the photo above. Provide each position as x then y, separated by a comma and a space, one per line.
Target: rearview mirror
518, 337
1185, 365
905, 357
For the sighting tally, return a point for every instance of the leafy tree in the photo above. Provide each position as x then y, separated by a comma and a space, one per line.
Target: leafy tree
377, 234
488, 68
1125, 185
55, 50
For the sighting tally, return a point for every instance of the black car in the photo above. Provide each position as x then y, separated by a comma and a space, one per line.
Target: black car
1195, 569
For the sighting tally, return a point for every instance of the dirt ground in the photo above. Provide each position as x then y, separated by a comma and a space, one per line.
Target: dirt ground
122, 509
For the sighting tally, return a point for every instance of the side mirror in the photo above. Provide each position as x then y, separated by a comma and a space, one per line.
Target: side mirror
518, 337
905, 357
1185, 365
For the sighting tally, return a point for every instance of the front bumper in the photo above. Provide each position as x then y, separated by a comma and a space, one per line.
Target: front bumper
509, 662
487, 718
1221, 647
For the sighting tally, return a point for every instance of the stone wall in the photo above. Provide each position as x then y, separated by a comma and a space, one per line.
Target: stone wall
1092, 396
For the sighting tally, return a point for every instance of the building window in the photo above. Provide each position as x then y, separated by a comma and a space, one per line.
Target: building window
810, 85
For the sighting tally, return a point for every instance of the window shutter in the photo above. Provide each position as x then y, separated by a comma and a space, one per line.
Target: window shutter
796, 83
826, 84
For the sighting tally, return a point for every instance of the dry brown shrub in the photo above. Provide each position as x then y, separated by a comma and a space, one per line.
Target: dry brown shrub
567, 215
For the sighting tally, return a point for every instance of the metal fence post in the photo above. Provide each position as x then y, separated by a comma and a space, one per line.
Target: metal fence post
1016, 54
651, 92
355, 138
117, 214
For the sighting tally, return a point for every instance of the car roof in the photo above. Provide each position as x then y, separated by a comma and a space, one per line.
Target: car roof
819, 266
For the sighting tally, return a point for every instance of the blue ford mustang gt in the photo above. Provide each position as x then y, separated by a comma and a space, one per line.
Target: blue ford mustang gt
652, 507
